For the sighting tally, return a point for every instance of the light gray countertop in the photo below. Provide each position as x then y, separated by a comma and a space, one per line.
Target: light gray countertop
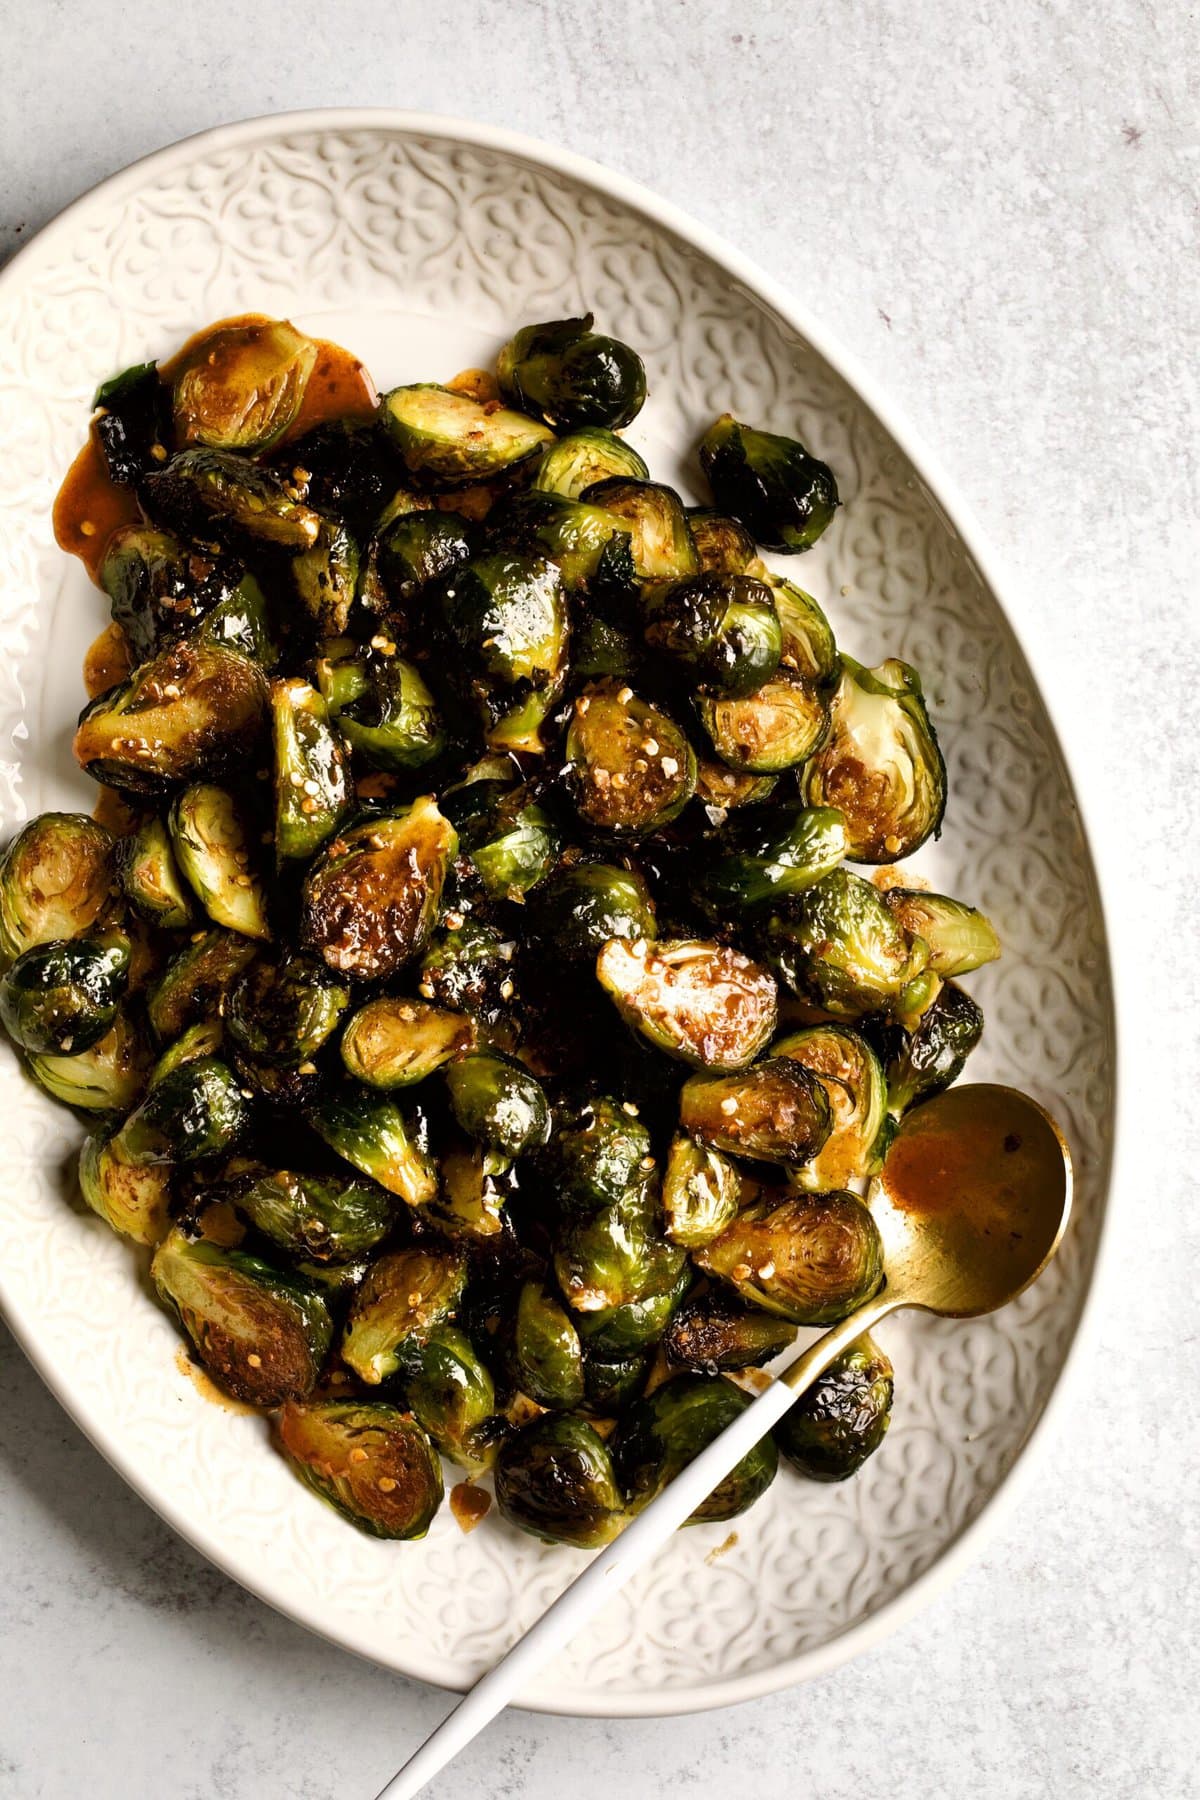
995, 207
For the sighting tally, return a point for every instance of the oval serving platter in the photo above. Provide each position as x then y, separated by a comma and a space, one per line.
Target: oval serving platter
421, 243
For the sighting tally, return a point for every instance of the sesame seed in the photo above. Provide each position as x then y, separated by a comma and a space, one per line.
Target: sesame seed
766, 1270
627, 1106
618, 780
740, 1271
454, 921
254, 1360
311, 786
625, 695
426, 988
87, 528
729, 1105
358, 1454
646, 1163
507, 990
670, 766
310, 1068
385, 1484
159, 452
582, 704
650, 746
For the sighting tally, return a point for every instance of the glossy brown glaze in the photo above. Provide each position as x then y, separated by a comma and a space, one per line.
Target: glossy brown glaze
107, 662
90, 507
469, 1505
338, 388
929, 1171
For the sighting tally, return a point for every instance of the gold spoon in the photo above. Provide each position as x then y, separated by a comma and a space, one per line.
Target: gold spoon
971, 1205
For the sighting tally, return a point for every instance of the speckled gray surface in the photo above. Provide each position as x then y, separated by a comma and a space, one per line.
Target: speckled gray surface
995, 206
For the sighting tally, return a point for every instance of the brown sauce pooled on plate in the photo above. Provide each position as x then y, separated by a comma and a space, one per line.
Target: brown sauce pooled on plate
108, 661
206, 1387
469, 1505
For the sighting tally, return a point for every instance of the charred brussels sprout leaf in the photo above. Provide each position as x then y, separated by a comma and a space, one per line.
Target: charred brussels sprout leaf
371, 1133
239, 387
811, 1258
260, 1333
599, 1149
701, 1192
149, 580
774, 728
509, 838
705, 1004
584, 457
150, 877
662, 1434
57, 880
582, 905
212, 838
105, 1079
723, 546
715, 1330
347, 468
131, 418
468, 968
393, 1043
506, 616
784, 496
383, 709
452, 1394
547, 1356
843, 1418
195, 710
404, 1297
630, 767
661, 545
922, 1062
194, 982
412, 549
572, 376
372, 1463
960, 938
319, 1218
313, 786
134, 1201
371, 898
326, 577
720, 630
838, 948
284, 1011
556, 1481
777, 851
195, 1111
853, 1079
775, 1112
217, 494
446, 437
881, 765
498, 1101
600, 648
58, 999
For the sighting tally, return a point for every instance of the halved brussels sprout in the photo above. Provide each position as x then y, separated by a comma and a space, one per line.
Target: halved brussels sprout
959, 937
372, 1463
105, 1079
446, 437
196, 1111
599, 1149
584, 457
617, 1332
510, 839
212, 839
843, 1418
497, 1100
411, 549
313, 784
784, 496
217, 494
195, 981
705, 1004
261, 1334
58, 999
630, 767
154, 585
838, 948
132, 418
717, 785
282, 1012
370, 1132
661, 545
150, 877
880, 765
609, 1387
476, 1184
774, 728
405, 1295
452, 1394
780, 850
134, 1201
469, 968
205, 1038
572, 533
506, 616
393, 1043
195, 710
240, 386
57, 880
723, 546
664, 1432
383, 708
715, 1330
572, 376
811, 1258
371, 898
809, 648
606, 1259
547, 1357
922, 1062
702, 1191
720, 630
556, 1481
775, 1112
853, 1079
326, 577
320, 1218
582, 905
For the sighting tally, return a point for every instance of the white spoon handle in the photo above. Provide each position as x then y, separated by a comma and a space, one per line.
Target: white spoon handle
621, 1559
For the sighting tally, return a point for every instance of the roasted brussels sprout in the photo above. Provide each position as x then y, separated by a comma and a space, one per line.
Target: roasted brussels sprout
838, 948
850, 1072
370, 899
446, 437
241, 619
392, 1043
405, 1295
705, 1004
195, 981
774, 728
721, 630
196, 1111
572, 533
556, 1481
776, 851
775, 1112
547, 1357
411, 549
661, 545
57, 880
784, 496
317, 1218
346, 468
313, 786
609, 1387
715, 1330
599, 1149
240, 386
571, 376
217, 494
585, 457
723, 546
661, 1435
383, 708
960, 938
131, 418
468, 968
881, 765
809, 649
326, 577
370, 1132
843, 1418
452, 1394
506, 616
372, 1463
150, 877
205, 1038
701, 1194
160, 592
135, 1201
195, 710
261, 1334
721, 789
582, 905
497, 1100
617, 1332
510, 839
811, 1258
283, 1011
212, 838
58, 999
607, 1258
922, 1062
630, 767
477, 1182
105, 1079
